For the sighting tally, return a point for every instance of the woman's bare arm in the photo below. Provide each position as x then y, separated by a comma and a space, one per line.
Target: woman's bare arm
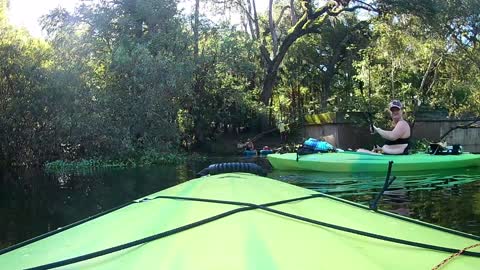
401, 128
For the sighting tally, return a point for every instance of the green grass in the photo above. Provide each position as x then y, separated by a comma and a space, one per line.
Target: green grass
146, 158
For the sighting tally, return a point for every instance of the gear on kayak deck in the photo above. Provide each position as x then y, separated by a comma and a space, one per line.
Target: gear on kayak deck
232, 167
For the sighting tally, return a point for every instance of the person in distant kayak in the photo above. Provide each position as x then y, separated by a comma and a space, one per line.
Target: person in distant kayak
249, 146
282, 128
397, 140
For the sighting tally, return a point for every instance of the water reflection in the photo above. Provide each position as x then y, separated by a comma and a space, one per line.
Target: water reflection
447, 198
32, 202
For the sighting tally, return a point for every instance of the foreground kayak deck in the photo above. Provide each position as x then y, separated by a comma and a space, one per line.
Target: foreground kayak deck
363, 162
251, 239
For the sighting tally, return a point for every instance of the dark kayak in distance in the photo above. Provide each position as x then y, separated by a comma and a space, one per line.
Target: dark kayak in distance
363, 162
244, 221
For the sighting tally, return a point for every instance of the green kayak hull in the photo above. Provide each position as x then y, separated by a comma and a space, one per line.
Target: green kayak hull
250, 239
363, 162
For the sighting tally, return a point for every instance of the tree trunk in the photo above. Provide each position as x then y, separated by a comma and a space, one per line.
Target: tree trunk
268, 84
195, 29
303, 27
392, 80
255, 19
273, 30
325, 93
293, 15
308, 23
272, 66
250, 21
199, 83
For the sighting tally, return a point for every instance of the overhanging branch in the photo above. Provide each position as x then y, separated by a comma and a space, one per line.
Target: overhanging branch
281, 14
467, 126
336, 12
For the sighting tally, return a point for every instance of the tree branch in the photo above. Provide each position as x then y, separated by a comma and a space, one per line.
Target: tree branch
281, 14
255, 18
335, 12
250, 20
370, 7
273, 31
467, 126
293, 15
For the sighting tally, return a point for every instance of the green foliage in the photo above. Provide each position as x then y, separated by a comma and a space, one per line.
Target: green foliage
3, 10
130, 57
108, 83
318, 73
225, 86
145, 158
26, 100
420, 145
64, 166
417, 66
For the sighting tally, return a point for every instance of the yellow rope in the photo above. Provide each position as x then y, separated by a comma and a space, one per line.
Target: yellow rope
453, 256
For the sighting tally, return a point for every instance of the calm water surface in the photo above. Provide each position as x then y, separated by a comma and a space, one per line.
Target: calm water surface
33, 202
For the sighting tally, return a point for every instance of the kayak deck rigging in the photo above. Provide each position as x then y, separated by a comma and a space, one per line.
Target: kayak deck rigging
307, 209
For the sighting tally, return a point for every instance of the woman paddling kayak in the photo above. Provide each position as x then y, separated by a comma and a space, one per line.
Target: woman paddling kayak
397, 140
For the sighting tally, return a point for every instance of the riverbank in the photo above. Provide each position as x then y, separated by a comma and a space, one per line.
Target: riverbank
225, 145
147, 158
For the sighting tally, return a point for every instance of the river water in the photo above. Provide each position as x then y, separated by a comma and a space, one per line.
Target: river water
33, 202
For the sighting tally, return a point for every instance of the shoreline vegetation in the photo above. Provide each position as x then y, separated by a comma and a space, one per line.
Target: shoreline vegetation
149, 158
